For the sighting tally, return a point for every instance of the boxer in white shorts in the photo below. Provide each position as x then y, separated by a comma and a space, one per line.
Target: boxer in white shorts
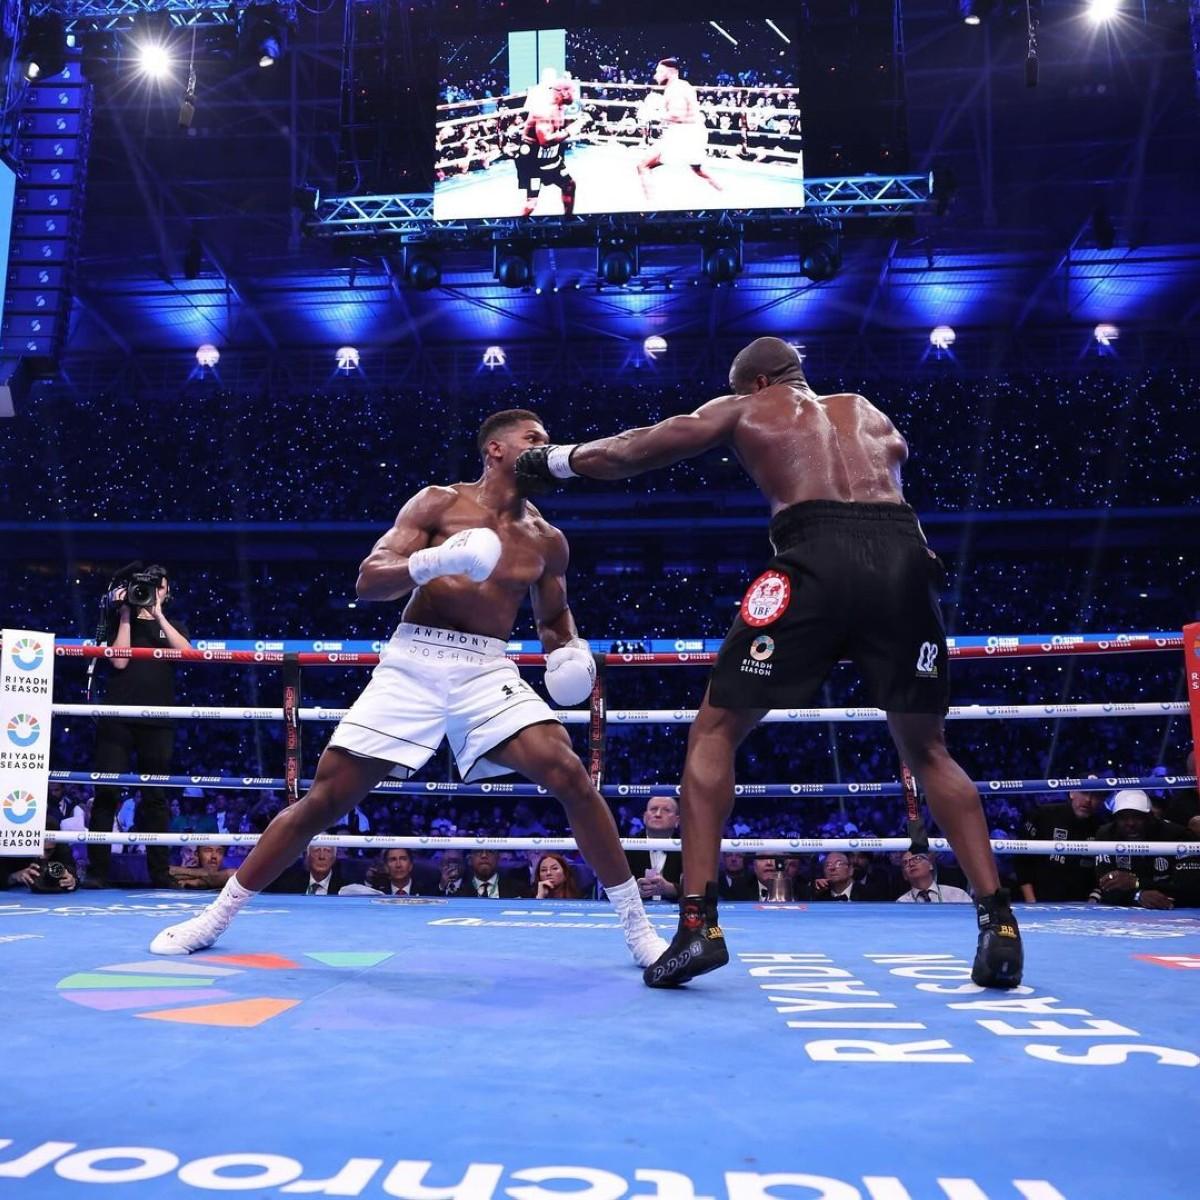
465, 556
684, 140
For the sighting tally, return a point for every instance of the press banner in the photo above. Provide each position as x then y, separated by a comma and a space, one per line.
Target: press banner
26, 696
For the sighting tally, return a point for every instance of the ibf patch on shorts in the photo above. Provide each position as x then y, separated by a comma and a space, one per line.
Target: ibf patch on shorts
767, 599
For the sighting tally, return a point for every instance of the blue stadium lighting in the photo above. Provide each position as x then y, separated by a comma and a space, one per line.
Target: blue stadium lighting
1105, 334
771, 25
654, 346
942, 337
207, 356
494, 357
727, 36
347, 359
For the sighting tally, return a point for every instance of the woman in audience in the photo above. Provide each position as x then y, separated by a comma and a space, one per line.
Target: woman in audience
555, 878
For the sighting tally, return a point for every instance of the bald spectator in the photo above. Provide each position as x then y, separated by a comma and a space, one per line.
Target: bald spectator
658, 872
923, 888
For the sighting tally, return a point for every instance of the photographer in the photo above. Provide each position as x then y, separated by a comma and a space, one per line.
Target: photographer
134, 617
53, 871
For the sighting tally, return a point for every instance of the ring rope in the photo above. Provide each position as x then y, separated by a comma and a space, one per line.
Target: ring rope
261, 783
728, 845
1067, 645
657, 716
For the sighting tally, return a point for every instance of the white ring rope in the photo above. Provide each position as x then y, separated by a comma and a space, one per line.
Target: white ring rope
728, 845
658, 716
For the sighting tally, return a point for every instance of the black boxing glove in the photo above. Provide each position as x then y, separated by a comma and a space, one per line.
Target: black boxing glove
542, 469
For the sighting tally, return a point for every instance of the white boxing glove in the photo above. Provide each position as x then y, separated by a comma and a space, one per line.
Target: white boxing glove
570, 673
473, 553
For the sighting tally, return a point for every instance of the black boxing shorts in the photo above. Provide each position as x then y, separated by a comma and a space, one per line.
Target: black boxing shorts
853, 581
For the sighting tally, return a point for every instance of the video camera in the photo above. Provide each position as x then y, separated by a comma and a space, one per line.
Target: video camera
141, 584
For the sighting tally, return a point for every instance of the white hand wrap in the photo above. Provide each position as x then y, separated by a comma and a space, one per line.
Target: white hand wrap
559, 462
570, 673
473, 553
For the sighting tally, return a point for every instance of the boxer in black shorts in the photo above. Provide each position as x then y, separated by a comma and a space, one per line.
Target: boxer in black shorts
852, 577
848, 580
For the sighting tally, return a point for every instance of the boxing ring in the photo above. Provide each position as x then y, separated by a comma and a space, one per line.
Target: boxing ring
445, 1049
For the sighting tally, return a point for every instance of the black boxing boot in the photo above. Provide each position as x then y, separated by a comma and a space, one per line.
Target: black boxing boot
697, 947
999, 957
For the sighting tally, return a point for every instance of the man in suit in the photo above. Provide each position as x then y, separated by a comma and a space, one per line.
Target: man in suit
658, 872
319, 874
733, 875
483, 879
393, 875
837, 881
758, 885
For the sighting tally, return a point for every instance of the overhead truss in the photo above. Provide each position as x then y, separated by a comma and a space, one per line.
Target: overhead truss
409, 217
104, 15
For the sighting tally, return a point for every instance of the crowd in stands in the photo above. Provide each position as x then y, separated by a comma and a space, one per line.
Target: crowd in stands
1020, 442
990, 453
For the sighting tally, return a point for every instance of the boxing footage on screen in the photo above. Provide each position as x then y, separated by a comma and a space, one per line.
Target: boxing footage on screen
552, 122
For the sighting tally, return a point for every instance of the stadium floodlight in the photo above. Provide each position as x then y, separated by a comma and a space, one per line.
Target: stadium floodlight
942, 337
347, 359
1105, 334
207, 356
617, 258
973, 11
1100, 12
422, 272
494, 357
154, 60
654, 346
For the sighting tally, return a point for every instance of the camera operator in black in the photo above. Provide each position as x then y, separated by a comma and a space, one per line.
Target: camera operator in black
51, 872
145, 683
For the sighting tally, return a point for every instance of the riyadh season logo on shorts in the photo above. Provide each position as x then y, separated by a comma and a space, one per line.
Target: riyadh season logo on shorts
23, 730
19, 807
27, 654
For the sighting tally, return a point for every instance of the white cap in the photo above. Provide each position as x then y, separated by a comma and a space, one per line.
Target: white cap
1131, 800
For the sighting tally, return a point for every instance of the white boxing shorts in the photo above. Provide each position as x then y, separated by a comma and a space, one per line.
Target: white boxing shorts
683, 145
437, 683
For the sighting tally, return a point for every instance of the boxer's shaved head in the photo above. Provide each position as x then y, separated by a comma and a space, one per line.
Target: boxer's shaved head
768, 358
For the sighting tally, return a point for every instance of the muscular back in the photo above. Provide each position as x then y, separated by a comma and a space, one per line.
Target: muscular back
799, 446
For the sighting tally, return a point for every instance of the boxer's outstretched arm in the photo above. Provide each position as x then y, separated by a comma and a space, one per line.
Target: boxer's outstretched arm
551, 610
383, 574
639, 450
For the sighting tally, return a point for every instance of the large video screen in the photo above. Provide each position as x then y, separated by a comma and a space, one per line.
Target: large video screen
608, 120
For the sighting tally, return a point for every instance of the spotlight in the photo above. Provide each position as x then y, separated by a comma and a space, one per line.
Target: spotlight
1102, 11
821, 260
154, 60
264, 34
1105, 334
207, 356
44, 47
494, 357
973, 11
653, 346
512, 264
616, 258
722, 261
942, 186
942, 337
347, 359
422, 273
